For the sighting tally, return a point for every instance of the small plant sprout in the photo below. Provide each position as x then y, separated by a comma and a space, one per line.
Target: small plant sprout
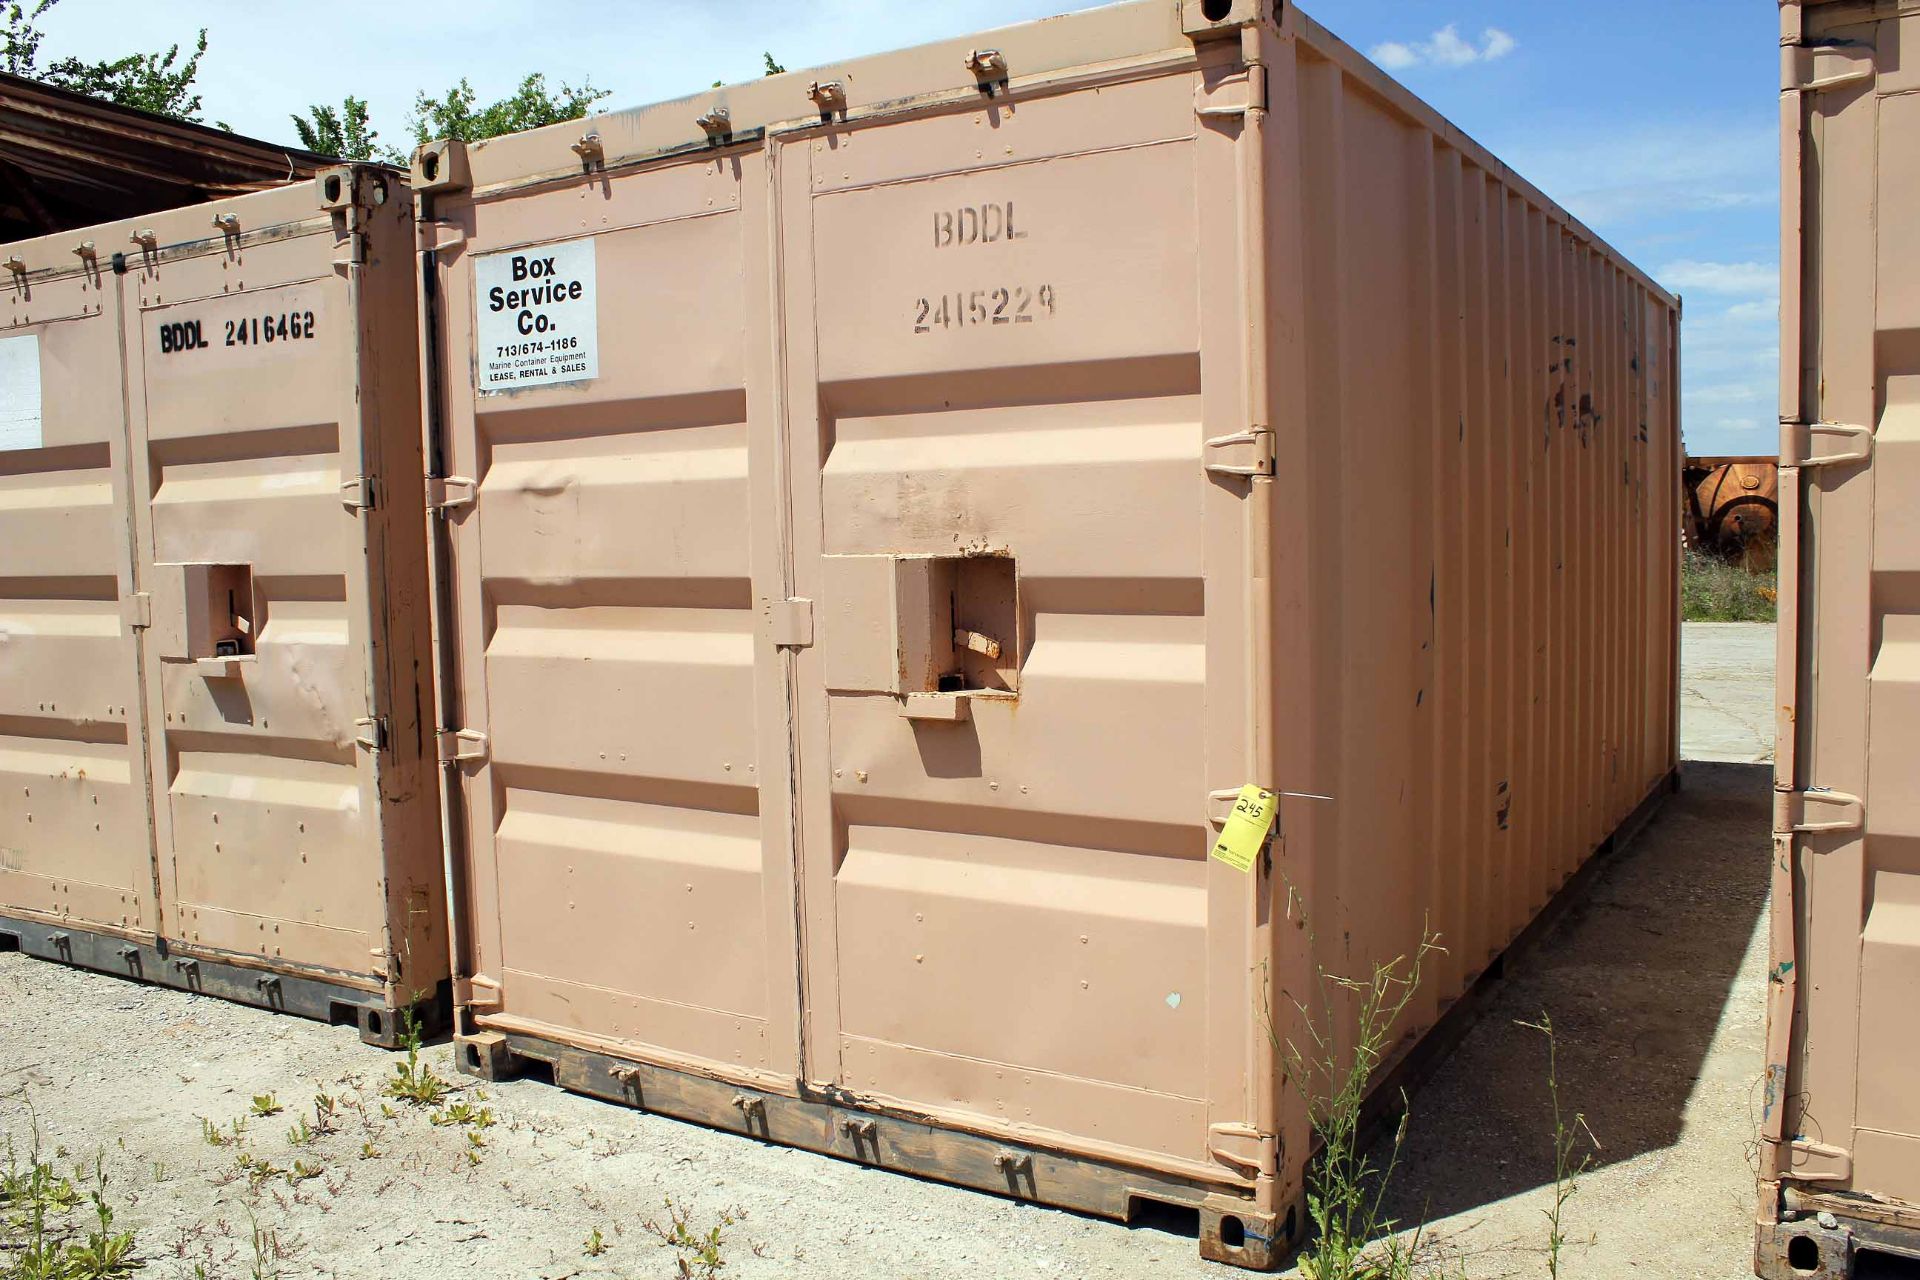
324, 1108
1570, 1161
301, 1134
214, 1136
699, 1255
413, 1081
266, 1250
369, 1152
595, 1245
265, 1104
302, 1171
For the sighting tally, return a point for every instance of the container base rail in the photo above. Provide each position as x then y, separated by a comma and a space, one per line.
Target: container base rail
1823, 1238
161, 964
1230, 1228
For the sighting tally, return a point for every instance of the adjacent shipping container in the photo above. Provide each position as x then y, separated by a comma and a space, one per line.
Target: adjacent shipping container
888, 513
1840, 1163
215, 733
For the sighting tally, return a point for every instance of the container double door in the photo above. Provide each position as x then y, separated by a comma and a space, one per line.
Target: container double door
193, 600
851, 631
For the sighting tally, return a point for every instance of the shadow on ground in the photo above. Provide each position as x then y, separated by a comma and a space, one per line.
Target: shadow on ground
1636, 977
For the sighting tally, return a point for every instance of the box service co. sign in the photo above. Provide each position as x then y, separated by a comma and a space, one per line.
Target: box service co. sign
538, 321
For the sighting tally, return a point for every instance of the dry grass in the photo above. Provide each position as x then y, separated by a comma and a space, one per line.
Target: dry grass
1716, 590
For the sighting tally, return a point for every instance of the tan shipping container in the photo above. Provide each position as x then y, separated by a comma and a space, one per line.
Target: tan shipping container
1840, 1137
890, 511
214, 740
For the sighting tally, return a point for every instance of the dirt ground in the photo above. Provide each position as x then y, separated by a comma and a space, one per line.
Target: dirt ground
1726, 705
1654, 982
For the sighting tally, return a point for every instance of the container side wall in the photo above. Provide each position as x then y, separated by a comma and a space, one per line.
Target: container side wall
1493, 547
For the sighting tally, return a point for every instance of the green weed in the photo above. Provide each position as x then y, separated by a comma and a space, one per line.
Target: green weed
414, 1082
1569, 1160
699, 1254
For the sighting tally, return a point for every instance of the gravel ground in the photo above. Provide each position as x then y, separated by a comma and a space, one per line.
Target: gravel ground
1654, 982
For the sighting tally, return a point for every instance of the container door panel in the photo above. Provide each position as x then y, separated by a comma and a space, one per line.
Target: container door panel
1029, 590
74, 843
628, 820
247, 451
1857, 1114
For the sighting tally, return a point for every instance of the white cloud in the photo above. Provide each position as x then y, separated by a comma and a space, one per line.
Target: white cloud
1445, 48
1738, 279
1730, 384
1610, 178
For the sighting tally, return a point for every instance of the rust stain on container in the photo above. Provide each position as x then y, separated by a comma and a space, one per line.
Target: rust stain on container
1233, 355
214, 602
1840, 1135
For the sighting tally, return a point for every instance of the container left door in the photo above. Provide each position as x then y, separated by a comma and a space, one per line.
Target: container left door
268, 808
75, 838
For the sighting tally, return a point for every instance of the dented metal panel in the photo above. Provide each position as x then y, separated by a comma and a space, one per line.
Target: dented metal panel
251, 370
963, 471
1841, 1131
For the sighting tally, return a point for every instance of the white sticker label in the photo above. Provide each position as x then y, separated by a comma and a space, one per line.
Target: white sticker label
538, 320
20, 393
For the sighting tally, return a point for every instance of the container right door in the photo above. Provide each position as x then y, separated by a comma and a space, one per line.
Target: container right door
1010, 335
1854, 729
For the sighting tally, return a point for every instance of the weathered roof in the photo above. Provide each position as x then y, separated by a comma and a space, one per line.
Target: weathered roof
68, 160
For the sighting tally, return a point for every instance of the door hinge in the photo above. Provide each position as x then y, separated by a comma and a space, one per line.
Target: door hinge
357, 494
792, 621
461, 744
373, 732
477, 992
1244, 453
1231, 96
1800, 447
137, 610
441, 237
1841, 812
1817, 68
1811, 1161
444, 492
1242, 1147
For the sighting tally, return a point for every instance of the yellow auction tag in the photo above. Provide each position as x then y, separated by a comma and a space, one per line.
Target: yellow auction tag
1246, 829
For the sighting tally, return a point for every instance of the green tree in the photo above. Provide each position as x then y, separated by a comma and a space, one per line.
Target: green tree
773, 68
162, 83
345, 133
455, 114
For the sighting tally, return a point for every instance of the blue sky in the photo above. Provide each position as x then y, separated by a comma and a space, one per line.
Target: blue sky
1654, 122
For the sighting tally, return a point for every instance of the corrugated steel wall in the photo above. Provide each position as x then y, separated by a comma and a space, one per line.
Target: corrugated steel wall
1479, 607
